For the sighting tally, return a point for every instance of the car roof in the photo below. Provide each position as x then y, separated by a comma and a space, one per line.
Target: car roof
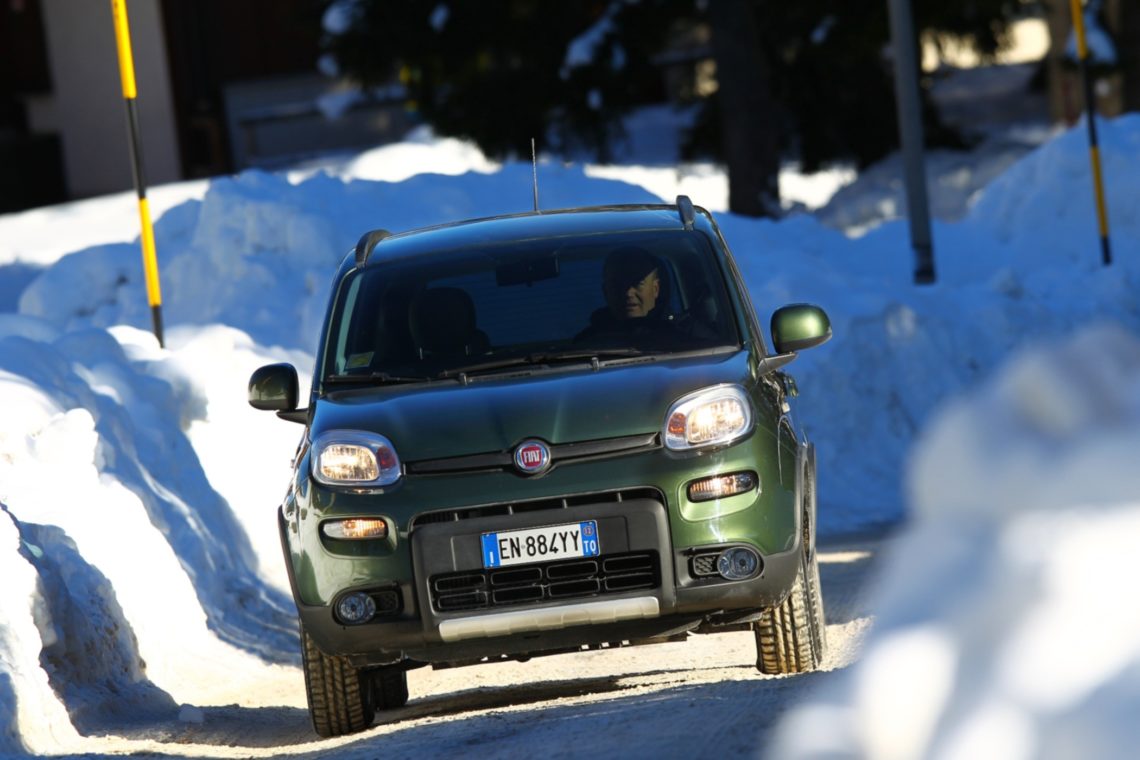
532, 226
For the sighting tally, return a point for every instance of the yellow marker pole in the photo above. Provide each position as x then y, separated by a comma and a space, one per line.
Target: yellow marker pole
127, 75
1094, 148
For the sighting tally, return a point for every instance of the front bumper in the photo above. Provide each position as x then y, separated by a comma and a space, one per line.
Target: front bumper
661, 598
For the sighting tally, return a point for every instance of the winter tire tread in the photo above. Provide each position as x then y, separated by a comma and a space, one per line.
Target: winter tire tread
339, 695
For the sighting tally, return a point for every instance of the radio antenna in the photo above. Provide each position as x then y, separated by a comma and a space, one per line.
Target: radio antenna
534, 172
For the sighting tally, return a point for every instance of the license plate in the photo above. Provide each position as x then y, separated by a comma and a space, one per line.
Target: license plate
516, 547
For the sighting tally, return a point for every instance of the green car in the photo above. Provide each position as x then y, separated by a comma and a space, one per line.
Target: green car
543, 433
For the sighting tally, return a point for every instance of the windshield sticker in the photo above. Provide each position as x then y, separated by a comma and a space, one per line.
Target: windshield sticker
356, 361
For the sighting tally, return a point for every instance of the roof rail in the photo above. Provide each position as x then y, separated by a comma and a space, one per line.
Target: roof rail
366, 244
685, 206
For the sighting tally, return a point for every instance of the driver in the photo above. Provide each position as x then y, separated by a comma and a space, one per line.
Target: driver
636, 297
631, 283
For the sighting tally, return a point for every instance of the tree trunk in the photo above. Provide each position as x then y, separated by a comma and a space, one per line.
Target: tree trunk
1128, 48
748, 126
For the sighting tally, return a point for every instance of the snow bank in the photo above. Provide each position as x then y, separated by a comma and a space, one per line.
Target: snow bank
1043, 207
31, 716
1024, 265
39, 237
1006, 623
258, 251
130, 586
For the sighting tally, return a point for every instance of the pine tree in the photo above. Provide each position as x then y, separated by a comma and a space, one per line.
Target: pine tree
808, 79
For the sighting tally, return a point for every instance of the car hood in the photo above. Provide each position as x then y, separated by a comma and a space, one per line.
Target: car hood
447, 419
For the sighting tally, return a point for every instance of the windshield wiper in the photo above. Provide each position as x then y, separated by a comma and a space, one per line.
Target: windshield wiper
513, 361
597, 353
376, 378
542, 357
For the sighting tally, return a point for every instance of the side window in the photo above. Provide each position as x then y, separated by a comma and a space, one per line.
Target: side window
350, 315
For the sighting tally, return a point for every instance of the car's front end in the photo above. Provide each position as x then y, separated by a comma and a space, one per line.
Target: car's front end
533, 434
685, 535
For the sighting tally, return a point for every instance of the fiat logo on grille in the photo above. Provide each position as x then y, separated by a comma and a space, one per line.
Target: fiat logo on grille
532, 457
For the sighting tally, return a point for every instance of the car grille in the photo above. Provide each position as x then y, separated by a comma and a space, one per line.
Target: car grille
387, 602
565, 579
704, 565
560, 502
561, 453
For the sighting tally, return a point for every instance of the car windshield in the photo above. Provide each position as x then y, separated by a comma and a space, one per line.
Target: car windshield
543, 301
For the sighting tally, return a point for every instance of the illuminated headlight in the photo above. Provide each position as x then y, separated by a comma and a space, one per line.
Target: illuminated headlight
355, 458
713, 416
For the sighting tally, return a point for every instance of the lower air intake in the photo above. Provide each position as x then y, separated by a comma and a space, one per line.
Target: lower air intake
530, 584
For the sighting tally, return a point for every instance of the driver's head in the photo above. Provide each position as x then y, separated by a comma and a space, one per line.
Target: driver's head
631, 281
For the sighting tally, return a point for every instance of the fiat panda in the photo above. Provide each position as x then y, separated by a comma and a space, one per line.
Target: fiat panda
542, 433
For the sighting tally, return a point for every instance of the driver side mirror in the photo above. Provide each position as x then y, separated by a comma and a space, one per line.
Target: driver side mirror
274, 388
799, 326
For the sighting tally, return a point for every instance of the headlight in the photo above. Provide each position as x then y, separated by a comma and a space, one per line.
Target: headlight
355, 458
709, 417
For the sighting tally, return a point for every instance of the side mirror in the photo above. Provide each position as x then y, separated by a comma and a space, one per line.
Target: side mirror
799, 326
274, 388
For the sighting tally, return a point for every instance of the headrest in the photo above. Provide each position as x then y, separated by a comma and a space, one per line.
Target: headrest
442, 320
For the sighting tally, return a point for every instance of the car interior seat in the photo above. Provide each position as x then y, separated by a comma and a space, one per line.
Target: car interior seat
392, 343
704, 307
442, 323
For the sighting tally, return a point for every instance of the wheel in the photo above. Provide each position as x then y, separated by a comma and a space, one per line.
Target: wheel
340, 696
389, 687
792, 636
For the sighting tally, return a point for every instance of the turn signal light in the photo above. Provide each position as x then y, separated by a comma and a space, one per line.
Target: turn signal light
720, 486
355, 529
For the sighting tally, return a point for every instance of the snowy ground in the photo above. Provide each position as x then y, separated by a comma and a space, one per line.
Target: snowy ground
143, 585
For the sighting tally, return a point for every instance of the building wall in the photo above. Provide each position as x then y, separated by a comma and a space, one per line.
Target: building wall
214, 45
85, 106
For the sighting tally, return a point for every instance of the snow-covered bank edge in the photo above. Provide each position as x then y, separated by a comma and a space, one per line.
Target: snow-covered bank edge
131, 584
1005, 616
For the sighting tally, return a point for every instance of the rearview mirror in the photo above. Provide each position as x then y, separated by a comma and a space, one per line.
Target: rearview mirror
526, 271
799, 326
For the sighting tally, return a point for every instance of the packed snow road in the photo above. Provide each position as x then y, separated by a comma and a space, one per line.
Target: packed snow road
694, 698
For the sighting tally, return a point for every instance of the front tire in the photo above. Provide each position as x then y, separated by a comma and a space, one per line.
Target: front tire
792, 636
340, 696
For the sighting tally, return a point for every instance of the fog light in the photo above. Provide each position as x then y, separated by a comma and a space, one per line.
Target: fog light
738, 563
355, 529
355, 608
720, 486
